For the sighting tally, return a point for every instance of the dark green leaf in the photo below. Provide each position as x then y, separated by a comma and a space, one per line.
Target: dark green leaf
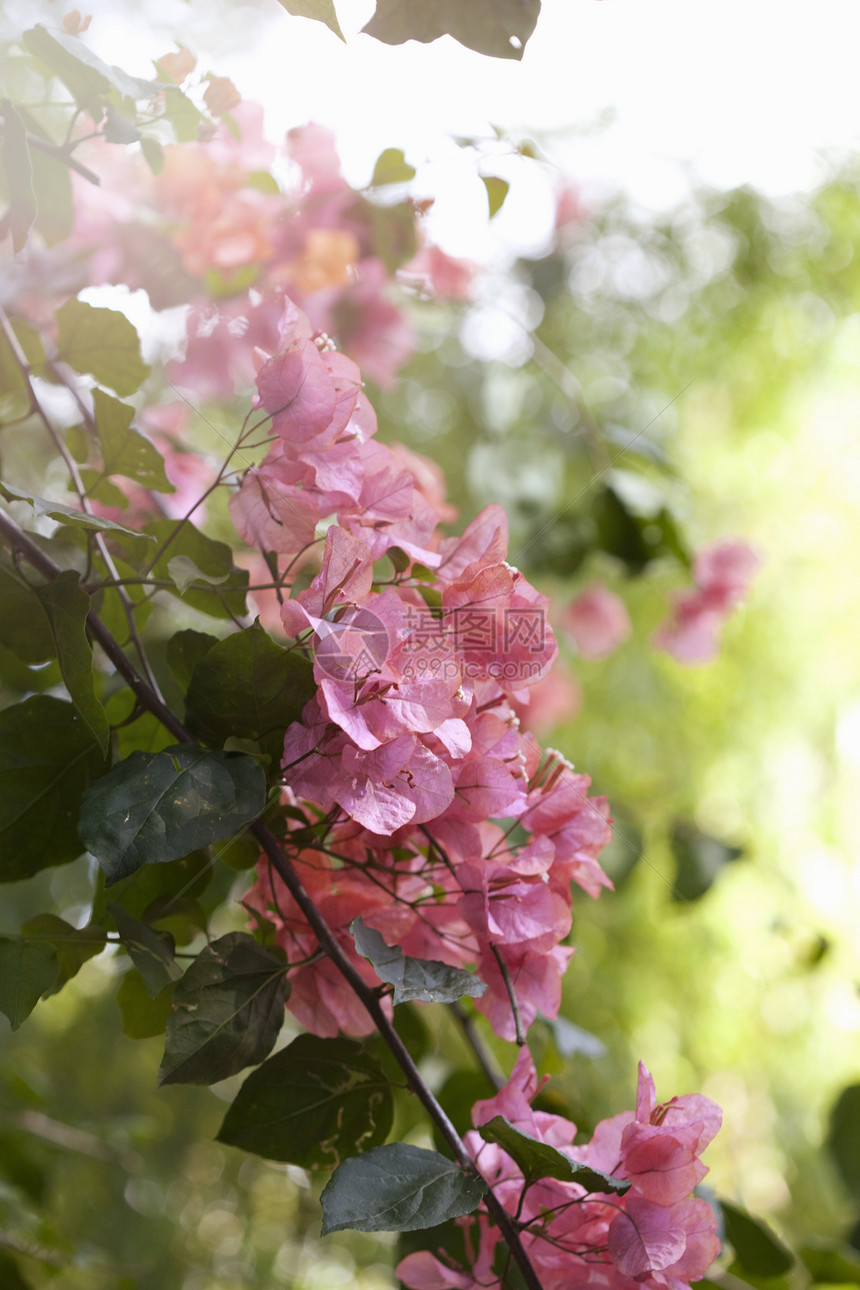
757, 1250
154, 807
27, 969
539, 1160
11, 1276
619, 532
150, 951
66, 607
843, 1138
47, 757
497, 191
155, 888
227, 1011
699, 859
103, 343
66, 514
311, 1104
82, 71
397, 1188
499, 28
249, 687
142, 1016
74, 946
391, 168
23, 626
15, 152
185, 650
422, 980
124, 451
461, 1090
213, 560
321, 10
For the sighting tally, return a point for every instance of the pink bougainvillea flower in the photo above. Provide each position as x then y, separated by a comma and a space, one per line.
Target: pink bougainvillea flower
597, 622
722, 573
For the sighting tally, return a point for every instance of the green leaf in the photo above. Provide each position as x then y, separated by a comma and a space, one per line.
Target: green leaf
74, 946
150, 951
47, 757
538, 1159
154, 807
320, 10
27, 970
154, 889
66, 514
185, 118
843, 1137
497, 191
23, 626
184, 573
213, 559
619, 532
142, 1016
311, 1104
153, 154
391, 168
249, 687
832, 1265
185, 650
15, 152
124, 451
81, 71
55, 218
397, 1188
66, 607
227, 1011
15, 401
423, 980
461, 1090
757, 1250
118, 128
499, 28
699, 859
393, 236
103, 343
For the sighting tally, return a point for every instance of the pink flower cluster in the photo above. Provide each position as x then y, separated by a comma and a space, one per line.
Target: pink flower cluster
655, 1235
446, 829
212, 228
722, 574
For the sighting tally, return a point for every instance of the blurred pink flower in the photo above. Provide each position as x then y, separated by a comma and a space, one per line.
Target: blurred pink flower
597, 622
722, 573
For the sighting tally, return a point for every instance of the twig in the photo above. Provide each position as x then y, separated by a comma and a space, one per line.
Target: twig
473, 1039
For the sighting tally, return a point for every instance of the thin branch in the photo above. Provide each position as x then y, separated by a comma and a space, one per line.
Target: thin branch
512, 994
474, 1041
61, 152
